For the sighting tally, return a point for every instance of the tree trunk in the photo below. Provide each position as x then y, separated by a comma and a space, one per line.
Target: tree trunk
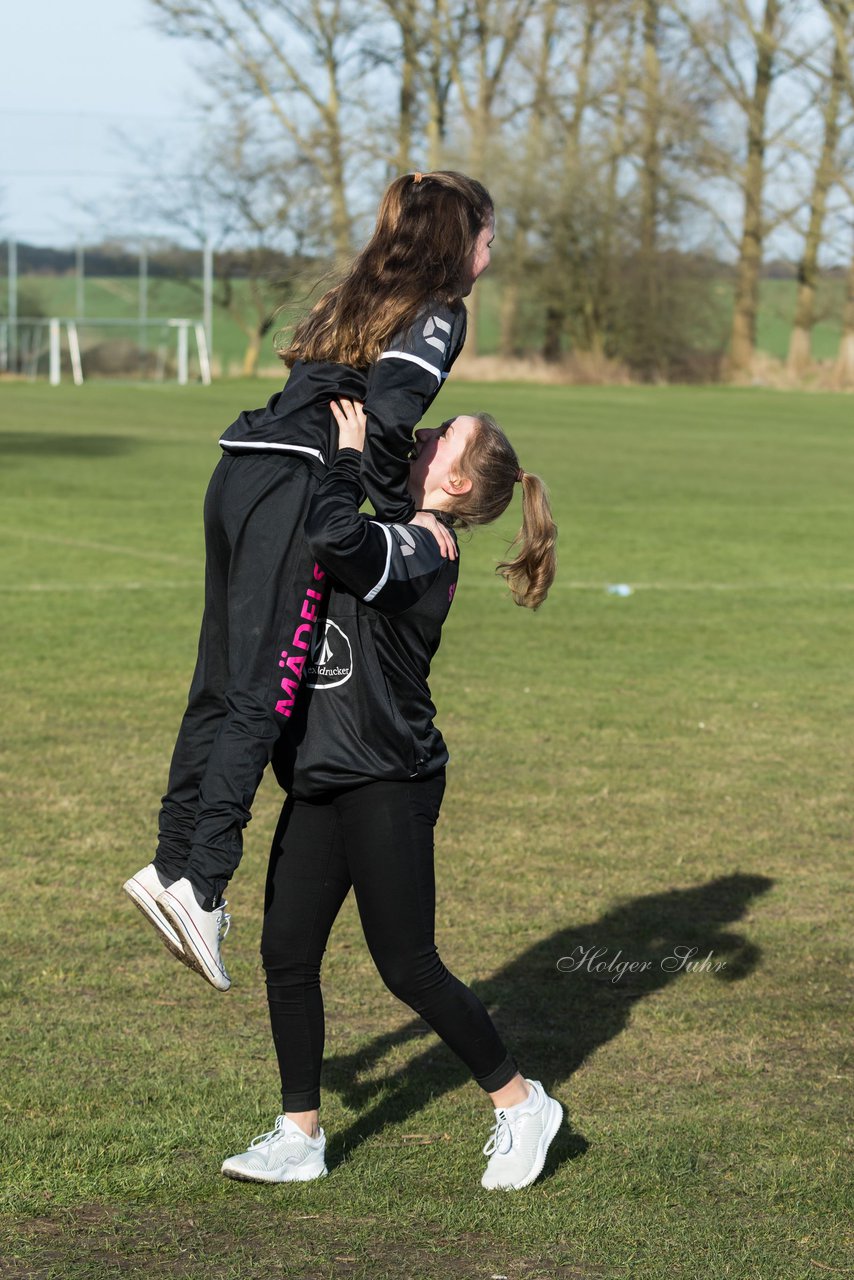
607, 267
252, 354
801, 338
843, 369
406, 18
568, 253
743, 341
341, 225
553, 339
651, 152
438, 83
513, 275
650, 344
479, 144
478, 70
511, 290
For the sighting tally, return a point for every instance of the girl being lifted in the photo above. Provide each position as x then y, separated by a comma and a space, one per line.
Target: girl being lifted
387, 335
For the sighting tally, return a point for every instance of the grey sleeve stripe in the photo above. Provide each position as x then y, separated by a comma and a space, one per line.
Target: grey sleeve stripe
374, 591
407, 355
405, 537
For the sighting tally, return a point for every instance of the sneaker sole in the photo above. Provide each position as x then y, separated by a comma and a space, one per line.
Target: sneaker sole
270, 1175
143, 900
546, 1139
196, 955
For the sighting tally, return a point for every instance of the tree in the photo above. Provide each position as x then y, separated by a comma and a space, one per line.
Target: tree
520, 210
289, 61
483, 38
571, 213
632, 130
747, 81
843, 369
255, 228
650, 183
832, 86
746, 308
256, 213
612, 132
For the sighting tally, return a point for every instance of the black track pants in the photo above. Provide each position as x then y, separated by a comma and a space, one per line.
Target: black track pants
262, 591
379, 839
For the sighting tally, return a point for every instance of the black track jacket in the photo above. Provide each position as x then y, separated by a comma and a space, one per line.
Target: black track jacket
365, 711
396, 392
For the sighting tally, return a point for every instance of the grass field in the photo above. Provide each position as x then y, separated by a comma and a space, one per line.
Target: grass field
116, 298
629, 775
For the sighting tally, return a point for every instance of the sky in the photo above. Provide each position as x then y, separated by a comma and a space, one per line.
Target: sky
80, 77
75, 76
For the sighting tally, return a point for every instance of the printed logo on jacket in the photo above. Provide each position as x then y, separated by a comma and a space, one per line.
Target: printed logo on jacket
331, 660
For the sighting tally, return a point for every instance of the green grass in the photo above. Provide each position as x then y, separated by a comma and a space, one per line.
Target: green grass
671, 769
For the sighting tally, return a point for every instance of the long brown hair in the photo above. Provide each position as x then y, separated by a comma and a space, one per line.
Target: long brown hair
421, 251
490, 462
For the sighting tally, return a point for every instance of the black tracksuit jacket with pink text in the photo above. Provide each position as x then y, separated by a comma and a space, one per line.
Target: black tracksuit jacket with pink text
365, 712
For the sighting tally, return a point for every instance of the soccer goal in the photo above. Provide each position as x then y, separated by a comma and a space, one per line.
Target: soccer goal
169, 349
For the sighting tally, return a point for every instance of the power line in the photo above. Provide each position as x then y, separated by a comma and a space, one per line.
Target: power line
100, 115
90, 173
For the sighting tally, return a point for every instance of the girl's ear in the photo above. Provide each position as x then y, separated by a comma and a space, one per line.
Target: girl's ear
456, 485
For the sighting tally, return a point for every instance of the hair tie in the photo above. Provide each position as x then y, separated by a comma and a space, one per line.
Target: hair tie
520, 476
416, 177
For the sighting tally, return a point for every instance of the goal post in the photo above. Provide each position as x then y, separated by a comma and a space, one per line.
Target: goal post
183, 328
88, 347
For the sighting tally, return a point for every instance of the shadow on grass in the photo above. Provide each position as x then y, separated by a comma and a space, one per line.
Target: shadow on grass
558, 1002
21, 443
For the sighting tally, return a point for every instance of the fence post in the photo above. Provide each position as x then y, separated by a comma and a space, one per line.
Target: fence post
54, 363
182, 353
12, 274
204, 354
74, 353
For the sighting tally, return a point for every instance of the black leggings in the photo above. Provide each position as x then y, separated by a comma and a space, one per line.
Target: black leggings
379, 839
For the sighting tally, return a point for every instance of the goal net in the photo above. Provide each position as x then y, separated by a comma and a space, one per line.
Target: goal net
59, 348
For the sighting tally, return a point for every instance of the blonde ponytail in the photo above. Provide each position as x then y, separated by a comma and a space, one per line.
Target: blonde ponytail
489, 461
532, 571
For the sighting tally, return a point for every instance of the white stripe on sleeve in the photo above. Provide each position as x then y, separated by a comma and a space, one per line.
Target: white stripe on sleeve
268, 446
374, 591
406, 355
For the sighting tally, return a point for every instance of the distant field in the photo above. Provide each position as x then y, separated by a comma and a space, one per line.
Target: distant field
777, 312
629, 776
119, 298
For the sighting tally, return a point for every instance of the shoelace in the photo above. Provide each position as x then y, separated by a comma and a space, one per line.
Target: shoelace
224, 921
502, 1130
274, 1133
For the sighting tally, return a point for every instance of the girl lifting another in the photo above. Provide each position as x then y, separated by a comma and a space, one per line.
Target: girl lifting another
365, 773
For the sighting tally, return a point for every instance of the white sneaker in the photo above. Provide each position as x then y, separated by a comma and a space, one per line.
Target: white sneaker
143, 890
519, 1140
200, 931
285, 1154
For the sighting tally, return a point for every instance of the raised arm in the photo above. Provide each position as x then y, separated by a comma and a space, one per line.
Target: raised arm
401, 385
390, 567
